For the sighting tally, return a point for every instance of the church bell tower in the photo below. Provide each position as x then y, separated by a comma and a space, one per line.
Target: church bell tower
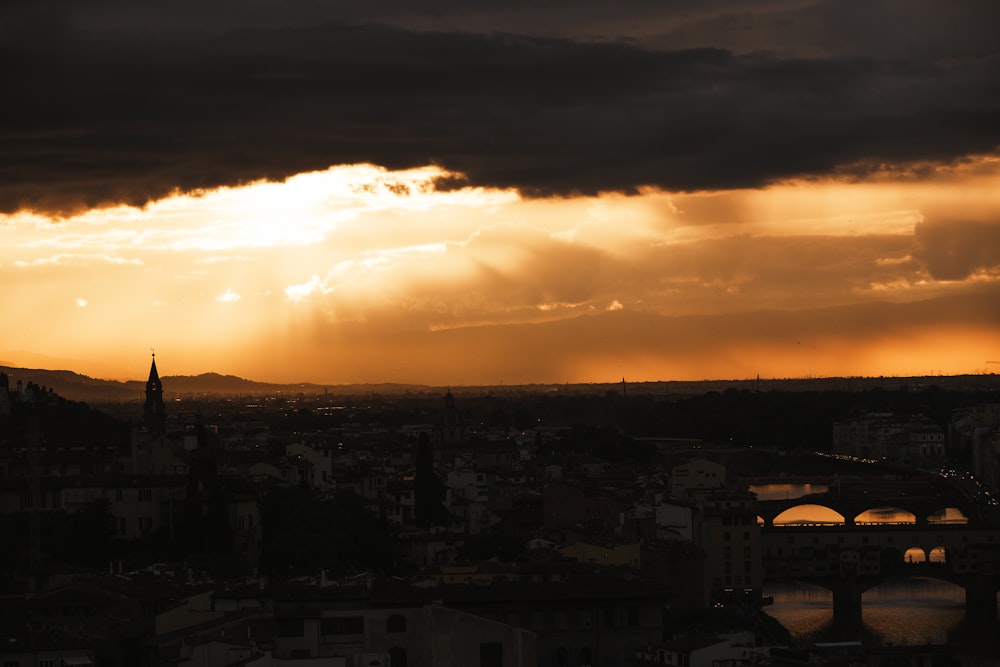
154, 416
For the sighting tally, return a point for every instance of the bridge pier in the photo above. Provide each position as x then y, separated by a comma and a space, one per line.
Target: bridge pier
847, 620
981, 601
979, 634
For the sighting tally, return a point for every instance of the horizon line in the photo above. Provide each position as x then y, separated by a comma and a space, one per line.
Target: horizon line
620, 381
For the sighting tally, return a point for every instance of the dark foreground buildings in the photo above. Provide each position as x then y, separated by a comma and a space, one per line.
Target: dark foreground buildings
300, 531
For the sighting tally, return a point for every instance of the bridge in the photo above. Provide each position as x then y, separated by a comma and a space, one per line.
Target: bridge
850, 557
923, 498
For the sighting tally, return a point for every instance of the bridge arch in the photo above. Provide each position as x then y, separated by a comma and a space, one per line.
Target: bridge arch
809, 514
948, 516
937, 555
914, 560
885, 516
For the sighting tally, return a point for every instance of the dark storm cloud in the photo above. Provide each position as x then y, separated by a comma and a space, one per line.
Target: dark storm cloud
109, 102
957, 249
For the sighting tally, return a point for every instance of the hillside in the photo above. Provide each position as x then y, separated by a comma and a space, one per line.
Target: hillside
77, 387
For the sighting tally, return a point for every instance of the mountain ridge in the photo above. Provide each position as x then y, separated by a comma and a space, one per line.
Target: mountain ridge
79, 387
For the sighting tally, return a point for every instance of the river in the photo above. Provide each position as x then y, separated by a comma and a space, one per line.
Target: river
908, 612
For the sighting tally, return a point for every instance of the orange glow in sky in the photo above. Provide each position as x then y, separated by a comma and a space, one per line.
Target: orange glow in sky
360, 274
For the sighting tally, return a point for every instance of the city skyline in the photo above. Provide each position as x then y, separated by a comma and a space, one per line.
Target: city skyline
472, 195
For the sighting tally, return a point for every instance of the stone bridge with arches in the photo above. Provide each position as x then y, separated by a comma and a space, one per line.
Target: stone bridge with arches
841, 541
927, 500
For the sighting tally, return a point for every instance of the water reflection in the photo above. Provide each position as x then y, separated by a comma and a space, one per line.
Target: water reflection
914, 611
909, 612
806, 611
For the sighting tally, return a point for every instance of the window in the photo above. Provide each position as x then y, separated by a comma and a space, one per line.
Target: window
145, 495
585, 657
342, 625
397, 657
395, 623
633, 616
491, 654
609, 617
562, 657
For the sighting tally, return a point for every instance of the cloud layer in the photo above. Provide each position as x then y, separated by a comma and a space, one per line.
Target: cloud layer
467, 192
359, 274
114, 102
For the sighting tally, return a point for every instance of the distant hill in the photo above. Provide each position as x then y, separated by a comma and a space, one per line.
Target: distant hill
77, 387
72, 385
215, 383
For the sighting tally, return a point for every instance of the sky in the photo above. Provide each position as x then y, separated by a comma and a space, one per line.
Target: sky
473, 193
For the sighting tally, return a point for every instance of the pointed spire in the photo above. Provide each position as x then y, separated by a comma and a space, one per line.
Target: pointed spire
154, 377
154, 412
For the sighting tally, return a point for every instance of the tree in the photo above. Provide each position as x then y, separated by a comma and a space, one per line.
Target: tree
428, 490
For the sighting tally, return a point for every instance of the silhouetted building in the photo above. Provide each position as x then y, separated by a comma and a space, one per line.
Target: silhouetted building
449, 432
566, 505
154, 452
154, 416
728, 532
5, 406
911, 440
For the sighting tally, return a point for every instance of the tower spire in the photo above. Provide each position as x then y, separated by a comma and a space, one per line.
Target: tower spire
154, 412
